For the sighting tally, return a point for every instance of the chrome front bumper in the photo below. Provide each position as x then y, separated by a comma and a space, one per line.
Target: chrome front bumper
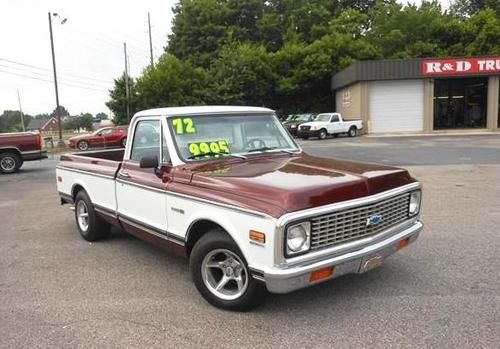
284, 280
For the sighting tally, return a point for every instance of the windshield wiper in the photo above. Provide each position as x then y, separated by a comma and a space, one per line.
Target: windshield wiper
215, 154
263, 149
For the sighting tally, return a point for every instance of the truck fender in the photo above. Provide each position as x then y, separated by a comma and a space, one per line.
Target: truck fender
222, 221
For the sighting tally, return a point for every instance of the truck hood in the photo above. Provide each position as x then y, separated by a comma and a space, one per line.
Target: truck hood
314, 123
276, 184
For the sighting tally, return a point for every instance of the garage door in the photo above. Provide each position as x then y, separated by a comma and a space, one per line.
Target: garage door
396, 105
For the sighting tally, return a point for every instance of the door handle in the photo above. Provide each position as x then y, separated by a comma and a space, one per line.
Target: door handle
124, 174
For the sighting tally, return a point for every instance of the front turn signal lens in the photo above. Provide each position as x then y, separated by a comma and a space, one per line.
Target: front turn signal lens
403, 243
321, 274
257, 236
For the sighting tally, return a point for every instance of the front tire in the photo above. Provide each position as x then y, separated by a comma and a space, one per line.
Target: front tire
83, 145
221, 273
91, 227
322, 134
10, 163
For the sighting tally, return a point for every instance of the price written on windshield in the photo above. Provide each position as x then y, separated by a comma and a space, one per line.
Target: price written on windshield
212, 147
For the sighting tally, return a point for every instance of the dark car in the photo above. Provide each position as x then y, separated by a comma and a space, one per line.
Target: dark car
293, 121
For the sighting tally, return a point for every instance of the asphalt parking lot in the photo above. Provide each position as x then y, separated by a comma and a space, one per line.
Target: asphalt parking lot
56, 290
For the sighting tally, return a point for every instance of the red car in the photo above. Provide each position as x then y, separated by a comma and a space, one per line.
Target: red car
16, 148
102, 138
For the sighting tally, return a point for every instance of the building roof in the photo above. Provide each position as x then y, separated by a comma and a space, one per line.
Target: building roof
384, 69
212, 109
36, 124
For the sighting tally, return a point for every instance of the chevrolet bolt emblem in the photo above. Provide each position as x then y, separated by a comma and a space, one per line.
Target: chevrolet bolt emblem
374, 220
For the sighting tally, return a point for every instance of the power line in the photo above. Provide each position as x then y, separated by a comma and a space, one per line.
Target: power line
45, 75
50, 81
50, 70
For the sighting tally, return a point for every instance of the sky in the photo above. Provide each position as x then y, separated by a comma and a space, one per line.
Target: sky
88, 48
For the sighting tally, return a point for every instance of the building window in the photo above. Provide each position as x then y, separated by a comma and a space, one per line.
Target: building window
460, 103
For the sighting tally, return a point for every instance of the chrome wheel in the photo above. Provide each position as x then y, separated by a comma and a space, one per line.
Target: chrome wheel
82, 214
224, 274
8, 164
83, 146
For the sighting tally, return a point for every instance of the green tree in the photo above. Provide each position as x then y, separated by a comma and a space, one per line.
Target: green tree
10, 121
63, 111
101, 116
118, 102
243, 74
466, 8
172, 82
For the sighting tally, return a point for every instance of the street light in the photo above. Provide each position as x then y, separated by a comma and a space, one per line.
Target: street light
58, 111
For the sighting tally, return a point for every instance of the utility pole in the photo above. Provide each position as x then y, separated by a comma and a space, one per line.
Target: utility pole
150, 41
58, 111
126, 81
20, 110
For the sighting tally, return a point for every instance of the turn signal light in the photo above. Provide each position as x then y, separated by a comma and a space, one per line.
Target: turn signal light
403, 243
321, 274
257, 236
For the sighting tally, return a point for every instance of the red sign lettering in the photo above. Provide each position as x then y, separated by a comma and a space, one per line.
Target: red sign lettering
461, 66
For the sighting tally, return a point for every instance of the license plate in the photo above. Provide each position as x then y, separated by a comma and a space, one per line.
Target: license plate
371, 263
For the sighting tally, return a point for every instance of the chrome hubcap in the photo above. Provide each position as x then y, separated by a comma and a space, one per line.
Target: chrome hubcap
8, 163
82, 215
224, 274
83, 146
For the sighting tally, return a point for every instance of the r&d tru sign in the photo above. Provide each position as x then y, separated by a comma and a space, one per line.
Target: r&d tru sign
461, 66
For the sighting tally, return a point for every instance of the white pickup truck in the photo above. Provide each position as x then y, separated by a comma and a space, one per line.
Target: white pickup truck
228, 188
329, 124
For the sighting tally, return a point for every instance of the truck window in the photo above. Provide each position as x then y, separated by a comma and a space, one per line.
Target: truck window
146, 140
335, 118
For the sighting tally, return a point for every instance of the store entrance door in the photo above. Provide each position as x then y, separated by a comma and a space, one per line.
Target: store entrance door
460, 103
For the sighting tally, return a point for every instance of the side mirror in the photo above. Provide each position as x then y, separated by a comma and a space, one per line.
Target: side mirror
149, 162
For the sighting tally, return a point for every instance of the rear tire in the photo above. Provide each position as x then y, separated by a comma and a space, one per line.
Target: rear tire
221, 273
352, 131
10, 163
83, 145
91, 227
305, 137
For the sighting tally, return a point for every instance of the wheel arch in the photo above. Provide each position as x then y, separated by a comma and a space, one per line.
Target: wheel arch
12, 150
76, 188
201, 226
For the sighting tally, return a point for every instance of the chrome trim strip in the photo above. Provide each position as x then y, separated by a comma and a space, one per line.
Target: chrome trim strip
142, 186
27, 152
59, 167
153, 231
106, 211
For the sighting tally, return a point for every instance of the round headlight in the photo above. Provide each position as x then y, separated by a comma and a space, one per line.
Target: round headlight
294, 126
296, 238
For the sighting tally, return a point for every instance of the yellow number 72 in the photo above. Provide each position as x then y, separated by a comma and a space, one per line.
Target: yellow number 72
183, 125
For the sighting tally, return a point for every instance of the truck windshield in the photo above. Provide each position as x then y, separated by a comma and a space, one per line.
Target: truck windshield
214, 136
323, 117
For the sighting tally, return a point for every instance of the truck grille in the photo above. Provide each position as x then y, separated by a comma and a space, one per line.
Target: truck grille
351, 224
305, 128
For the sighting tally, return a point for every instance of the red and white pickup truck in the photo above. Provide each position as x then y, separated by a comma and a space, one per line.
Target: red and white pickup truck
228, 188
16, 148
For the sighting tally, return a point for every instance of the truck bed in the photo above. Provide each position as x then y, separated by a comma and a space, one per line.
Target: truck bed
102, 162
